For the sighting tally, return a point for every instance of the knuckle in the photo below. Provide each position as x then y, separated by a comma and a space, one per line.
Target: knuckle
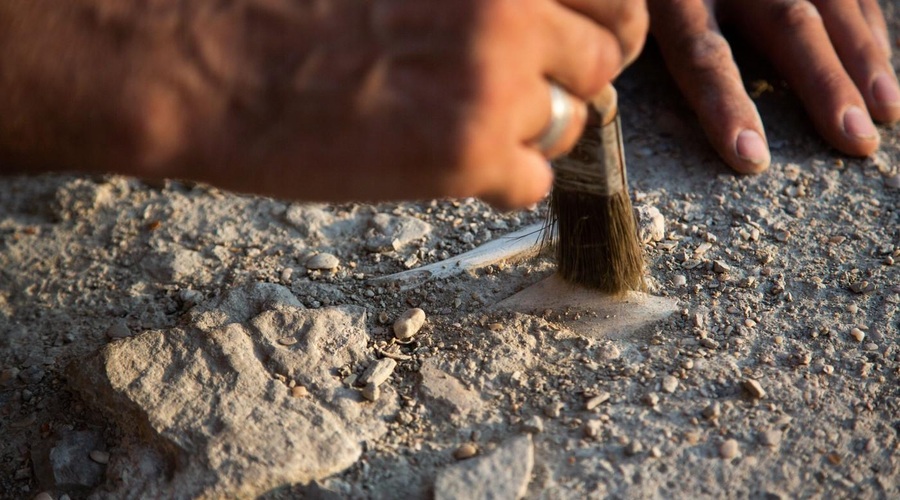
706, 51
793, 14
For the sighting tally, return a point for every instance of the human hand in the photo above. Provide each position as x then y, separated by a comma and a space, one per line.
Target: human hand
834, 54
350, 100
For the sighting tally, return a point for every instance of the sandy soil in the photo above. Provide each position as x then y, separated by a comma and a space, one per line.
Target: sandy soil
786, 278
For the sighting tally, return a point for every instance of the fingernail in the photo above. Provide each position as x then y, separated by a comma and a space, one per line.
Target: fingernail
858, 125
885, 91
751, 147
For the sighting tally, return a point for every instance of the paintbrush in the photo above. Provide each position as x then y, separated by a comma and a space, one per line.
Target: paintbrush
597, 242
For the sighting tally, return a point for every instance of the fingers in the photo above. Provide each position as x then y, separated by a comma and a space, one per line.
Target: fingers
527, 182
792, 34
854, 37
626, 19
701, 63
875, 18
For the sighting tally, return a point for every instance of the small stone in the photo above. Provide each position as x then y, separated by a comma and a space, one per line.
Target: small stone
609, 352
101, 457
754, 388
729, 449
688, 364
378, 371
371, 391
691, 437
633, 448
409, 323
712, 410
892, 181
554, 409
709, 343
857, 334
669, 384
299, 391
286, 275
652, 223
596, 401
852, 308
655, 452
466, 450
31, 375
533, 425
591, 428
287, 341
323, 262
679, 280
720, 267
118, 330
778, 339
770, 438
650, 399
749, 323
404, 418
861, 287
827, 369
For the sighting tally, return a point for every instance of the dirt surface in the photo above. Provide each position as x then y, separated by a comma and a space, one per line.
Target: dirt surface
777, 377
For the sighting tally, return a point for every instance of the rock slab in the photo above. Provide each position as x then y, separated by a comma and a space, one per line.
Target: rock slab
213, 400
501, 474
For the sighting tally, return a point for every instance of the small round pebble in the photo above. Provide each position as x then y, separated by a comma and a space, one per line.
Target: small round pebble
634, 447
650, 399
679, 280
466, 450
857, 334
287, 341
669, 384
770, 438
323, 262
298, 391
713, 410
101, 457
827, 369
729, 449
754, 388
409, 323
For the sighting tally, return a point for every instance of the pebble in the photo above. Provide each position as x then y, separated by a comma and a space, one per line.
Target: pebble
712, 410
299, 391
857, 334
679, 280
323, 261
892, 181
721, 267
378, 371
286, 341
591, 428
554, 409
729, 449
32, 375
749, 323
650, 399
371, 391
778, 339
754, 388
687, 364
852, 309
655, 452
534, 425
101, 457
861, 287
596, 401
118, 330
827, 369
633, 448
409, 323
669, 384
466, 450
609, 352
770, 438
709, 343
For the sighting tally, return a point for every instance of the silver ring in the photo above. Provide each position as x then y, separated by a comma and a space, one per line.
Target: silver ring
561, 112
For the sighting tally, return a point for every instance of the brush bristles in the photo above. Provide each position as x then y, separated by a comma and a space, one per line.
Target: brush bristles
597, 243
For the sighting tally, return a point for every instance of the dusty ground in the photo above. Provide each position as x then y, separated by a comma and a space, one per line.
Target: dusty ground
772, 275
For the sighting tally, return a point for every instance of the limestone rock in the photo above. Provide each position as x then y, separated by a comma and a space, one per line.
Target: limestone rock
652, 223
503, 473
397, 232
444, 395
213, 401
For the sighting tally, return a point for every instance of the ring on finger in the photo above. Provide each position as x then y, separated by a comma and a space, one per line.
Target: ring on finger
561, 113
